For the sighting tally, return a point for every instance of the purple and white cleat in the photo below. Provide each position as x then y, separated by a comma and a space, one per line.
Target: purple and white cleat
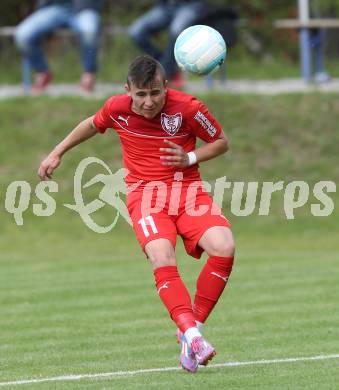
187, 357
203, 351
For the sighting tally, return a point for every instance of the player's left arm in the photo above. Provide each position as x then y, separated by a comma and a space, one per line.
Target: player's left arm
178, 157
212, 149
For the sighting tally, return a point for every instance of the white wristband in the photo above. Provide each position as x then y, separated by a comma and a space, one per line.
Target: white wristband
192, 158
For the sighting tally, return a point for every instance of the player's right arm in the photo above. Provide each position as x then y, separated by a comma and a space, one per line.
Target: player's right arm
82, 132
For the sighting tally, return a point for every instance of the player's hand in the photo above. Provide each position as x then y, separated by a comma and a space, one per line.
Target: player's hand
177, 155
48, 165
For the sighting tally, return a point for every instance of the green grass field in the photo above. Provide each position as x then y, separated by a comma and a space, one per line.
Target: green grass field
74, 302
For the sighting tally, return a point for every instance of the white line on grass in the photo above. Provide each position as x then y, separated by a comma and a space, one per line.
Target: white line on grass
164, 369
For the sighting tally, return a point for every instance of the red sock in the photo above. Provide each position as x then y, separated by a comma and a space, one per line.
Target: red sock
210, 285
175, 296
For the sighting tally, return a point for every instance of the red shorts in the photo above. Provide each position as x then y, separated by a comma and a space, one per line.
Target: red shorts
161, 213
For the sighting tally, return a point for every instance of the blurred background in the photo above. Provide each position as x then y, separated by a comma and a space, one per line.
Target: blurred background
260, 49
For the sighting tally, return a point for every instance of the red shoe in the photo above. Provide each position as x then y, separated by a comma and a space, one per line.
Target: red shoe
87, 81
42, 79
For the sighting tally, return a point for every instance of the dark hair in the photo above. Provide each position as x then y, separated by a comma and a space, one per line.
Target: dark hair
143, 70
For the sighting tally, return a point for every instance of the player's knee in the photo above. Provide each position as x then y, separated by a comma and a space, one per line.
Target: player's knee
160, 253
222, 248
162, 260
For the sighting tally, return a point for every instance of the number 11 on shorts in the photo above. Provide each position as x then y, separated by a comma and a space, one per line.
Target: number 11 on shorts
145, 222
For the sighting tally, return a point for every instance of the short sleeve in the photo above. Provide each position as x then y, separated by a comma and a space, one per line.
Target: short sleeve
102, 119
202, 123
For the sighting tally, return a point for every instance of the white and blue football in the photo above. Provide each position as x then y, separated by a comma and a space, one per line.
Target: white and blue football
200, 50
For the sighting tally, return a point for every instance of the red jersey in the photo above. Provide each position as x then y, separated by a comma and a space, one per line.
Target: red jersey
182, 119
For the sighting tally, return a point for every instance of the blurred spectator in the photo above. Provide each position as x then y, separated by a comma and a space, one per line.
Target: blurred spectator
175, 15
317, 38
82, 16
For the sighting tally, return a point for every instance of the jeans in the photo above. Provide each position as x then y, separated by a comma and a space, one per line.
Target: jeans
175, 17
30, 32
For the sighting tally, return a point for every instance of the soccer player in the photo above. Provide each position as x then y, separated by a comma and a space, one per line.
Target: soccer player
158, 128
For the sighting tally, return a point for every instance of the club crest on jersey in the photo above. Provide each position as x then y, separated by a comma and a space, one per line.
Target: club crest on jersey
171, 123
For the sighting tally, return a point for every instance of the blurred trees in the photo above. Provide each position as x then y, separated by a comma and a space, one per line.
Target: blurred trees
14, 10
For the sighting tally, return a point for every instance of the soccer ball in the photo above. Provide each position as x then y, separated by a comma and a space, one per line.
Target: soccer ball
200, 50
